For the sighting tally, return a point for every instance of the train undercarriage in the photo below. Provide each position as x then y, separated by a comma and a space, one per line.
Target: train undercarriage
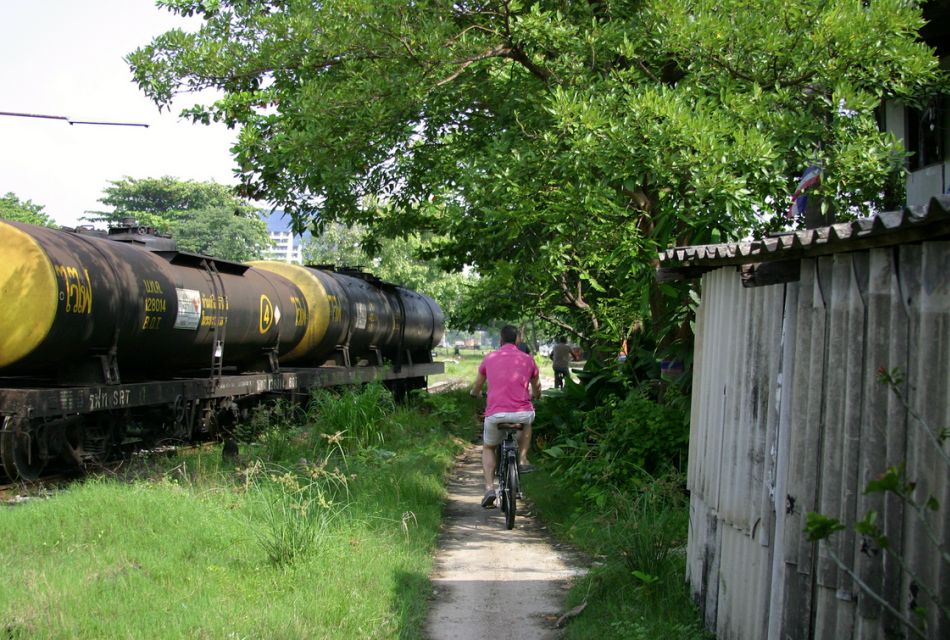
78, 426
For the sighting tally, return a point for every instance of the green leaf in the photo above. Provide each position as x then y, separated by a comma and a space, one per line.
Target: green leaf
819, 527
890, 480
645, 578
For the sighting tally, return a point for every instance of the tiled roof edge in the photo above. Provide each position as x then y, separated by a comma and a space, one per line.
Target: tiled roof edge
911, 224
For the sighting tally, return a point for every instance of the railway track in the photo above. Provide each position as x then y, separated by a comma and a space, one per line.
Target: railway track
12, 493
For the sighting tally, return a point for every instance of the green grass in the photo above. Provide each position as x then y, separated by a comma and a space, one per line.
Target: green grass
324, 529
636, 589
293, 542
460, 368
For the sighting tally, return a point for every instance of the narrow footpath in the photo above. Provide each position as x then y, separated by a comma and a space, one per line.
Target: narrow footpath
489, 582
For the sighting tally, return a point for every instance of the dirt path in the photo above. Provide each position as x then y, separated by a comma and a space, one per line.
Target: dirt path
489, 581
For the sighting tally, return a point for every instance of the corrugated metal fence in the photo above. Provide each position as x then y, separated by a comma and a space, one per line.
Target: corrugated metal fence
788, 417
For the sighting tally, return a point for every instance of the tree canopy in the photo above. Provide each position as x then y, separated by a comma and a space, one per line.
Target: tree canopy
553, 146
203, 217
12, 208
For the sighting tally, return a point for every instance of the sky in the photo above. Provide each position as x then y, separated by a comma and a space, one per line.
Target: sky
65, 58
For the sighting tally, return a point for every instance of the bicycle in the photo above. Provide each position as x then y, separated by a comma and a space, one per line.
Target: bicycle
508, 471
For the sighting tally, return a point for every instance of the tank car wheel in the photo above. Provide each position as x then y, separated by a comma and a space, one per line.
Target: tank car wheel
20, 452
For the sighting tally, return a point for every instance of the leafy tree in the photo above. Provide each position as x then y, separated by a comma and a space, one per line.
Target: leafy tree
12, 208
554, 146
203, 217
337, 244
160, 196
217, 231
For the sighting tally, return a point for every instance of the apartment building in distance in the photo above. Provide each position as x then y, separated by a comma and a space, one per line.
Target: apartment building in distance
285, 245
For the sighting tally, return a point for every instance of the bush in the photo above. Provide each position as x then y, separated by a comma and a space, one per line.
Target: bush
275, 429
619, 442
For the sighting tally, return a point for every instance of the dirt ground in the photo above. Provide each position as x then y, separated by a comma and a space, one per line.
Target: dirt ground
489, 581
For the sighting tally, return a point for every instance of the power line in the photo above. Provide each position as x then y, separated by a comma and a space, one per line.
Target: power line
71, 122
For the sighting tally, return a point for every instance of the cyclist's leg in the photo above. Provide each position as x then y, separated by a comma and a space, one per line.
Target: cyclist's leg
524, 443
488, 465
524, 436
491, 438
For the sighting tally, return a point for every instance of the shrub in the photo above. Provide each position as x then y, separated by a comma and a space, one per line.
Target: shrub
619, 442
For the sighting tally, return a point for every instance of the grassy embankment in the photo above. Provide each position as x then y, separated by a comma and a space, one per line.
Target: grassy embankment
636, 588
324, 530
315, 533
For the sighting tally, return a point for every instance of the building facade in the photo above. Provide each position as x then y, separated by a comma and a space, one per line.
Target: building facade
285, 245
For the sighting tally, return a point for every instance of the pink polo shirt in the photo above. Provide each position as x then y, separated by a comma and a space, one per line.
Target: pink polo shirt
509, 373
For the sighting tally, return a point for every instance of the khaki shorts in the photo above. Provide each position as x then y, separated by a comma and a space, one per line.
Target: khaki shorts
491, 435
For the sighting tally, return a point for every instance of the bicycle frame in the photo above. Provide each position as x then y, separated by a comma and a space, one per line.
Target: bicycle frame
508, 470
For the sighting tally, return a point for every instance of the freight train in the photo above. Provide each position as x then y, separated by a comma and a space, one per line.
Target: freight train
111, 337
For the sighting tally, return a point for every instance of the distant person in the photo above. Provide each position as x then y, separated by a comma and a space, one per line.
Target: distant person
561, 356
523, 345
509, 373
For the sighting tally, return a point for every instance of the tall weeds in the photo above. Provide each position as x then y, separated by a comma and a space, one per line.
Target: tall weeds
293, 510
358, 417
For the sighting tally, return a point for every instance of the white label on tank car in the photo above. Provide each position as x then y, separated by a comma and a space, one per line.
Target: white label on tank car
360, 315
189, 309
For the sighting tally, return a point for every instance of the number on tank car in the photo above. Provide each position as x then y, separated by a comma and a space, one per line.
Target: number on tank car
109, 399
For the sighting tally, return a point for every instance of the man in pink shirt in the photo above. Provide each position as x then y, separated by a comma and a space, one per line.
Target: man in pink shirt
509, 373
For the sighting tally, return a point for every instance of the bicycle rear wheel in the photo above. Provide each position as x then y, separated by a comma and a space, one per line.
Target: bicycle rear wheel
510, 494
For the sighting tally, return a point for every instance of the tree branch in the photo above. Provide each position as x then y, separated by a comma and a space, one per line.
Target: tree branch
577, 299
560, 323
874, 595
499, 51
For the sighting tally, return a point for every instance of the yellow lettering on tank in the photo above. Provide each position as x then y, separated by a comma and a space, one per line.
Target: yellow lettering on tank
155, 305
77, 289
214, 302
300, 312
267, 314
152, 286
336, 311
212, 320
